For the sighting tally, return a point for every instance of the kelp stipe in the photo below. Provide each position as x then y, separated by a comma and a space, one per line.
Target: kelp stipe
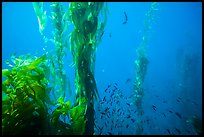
141, 65
84, 40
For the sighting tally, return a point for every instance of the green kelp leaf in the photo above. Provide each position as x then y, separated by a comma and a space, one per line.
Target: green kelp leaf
41, 15
56, 114
36, 62
6, 72
76, 112
79, 125
60, 101
7, 82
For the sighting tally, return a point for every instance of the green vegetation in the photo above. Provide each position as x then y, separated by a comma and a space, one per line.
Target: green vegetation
141, 64
25, 93
33, 94
84, 40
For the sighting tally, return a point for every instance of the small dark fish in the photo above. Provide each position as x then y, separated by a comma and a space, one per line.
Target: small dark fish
154, 107
178, 100
128, 80
104, 99
135, 111
128, 104
101, 34
118, 110
106, 89
170, 111
111, 95
116, 84
179, 115
147, 121
133, 120
128, 116
103, 113
168, 131
178, 130
107, 109
117, 102
109, 86
127, 125
126, 18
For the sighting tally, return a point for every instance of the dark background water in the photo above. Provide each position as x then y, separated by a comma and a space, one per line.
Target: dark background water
176, 34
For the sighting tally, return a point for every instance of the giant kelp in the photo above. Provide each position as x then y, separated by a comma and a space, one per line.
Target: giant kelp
141, 64
24, 96
84, 40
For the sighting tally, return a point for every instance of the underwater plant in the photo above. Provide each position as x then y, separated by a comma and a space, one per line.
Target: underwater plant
141, 64
59, 20
25, 93
41, 15
196, 122
85, 38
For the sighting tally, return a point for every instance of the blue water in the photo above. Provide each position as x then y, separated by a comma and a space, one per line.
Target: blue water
175, 36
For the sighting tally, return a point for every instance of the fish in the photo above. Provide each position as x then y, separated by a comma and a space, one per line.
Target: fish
103, 113
178, 115
106, 89
126, 18
118, 110
107, 109
178, 100
178, 130
133, 120
128, 104
109, 86
170, 111
128, 116
147, 121
168, 131
104, 99
154, 107
127, 125
128, 80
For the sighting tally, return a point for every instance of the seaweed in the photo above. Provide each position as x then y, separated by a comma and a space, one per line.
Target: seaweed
84, 40
24, 96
